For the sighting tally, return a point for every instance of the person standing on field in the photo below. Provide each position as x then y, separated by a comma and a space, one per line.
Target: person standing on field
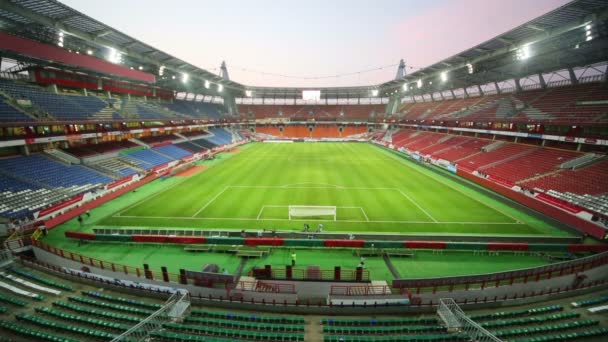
293, 258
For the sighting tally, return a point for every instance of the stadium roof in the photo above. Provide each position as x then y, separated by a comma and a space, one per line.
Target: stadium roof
554, 41
42, 20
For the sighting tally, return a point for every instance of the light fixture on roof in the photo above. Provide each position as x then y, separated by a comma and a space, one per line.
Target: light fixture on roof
470, 68
185, 77
374, 92
89, 52
589, 32
404, 86
220, 88
523, 52
114, 56
207, 84
248, 93
419, 83
173, 77
161, 70
141, 67
444, 76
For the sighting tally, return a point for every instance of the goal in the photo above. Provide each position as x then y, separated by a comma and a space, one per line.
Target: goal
296, 211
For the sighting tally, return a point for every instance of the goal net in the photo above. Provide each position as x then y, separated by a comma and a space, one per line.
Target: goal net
311, 211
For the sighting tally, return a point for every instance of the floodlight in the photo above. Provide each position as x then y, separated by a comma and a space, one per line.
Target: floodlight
173, 77
220, 88
404, 86
161, 70
523, 52
419, 83
207, 84
374, 92
114, 56
470, 68
89, 52
248, 93
444, 76
589, 38
61, 33
141, 67
185, 77
588, 27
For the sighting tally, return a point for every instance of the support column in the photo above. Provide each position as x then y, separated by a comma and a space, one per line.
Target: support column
480, 91
541, 79
497, 87
517, 85
466, 93
573, 78
53, 89
453, 95
85, 92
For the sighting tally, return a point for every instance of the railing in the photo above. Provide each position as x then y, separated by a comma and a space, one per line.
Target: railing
259, 286
504, 278
304, 303
360, 290
142, 330
88, 261
312, 274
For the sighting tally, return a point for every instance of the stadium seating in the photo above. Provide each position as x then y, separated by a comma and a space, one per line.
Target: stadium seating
590, 180
145, 159
115, 167
220, 136
158, 139
200, 110
532, 164
68, 107
341, 112
172, 151
50, 172
94, 149
498, 155
190, 146
269, 130
10, 114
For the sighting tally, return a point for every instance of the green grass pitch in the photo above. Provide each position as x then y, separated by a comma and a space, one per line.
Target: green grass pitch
373, 189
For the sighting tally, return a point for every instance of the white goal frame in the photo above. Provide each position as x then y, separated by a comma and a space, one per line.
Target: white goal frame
311, 210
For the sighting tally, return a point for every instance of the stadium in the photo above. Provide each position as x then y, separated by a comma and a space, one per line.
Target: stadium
144, 198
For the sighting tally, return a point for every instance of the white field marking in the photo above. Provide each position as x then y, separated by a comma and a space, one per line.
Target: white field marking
349, 221
210, 201
310, 183
406, 163
417, 205
364, 214
147, 198
260, 213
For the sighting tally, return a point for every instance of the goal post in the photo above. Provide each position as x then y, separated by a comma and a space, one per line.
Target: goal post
296, 211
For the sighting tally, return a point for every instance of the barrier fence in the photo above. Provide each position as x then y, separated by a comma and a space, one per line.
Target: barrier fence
415, 302
162, 237
502, 278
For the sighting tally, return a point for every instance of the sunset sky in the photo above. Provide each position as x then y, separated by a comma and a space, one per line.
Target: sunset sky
305, 41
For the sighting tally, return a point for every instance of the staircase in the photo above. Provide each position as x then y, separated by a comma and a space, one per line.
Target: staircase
128, 109
493, 146
515, 156
581, 161
104, 114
